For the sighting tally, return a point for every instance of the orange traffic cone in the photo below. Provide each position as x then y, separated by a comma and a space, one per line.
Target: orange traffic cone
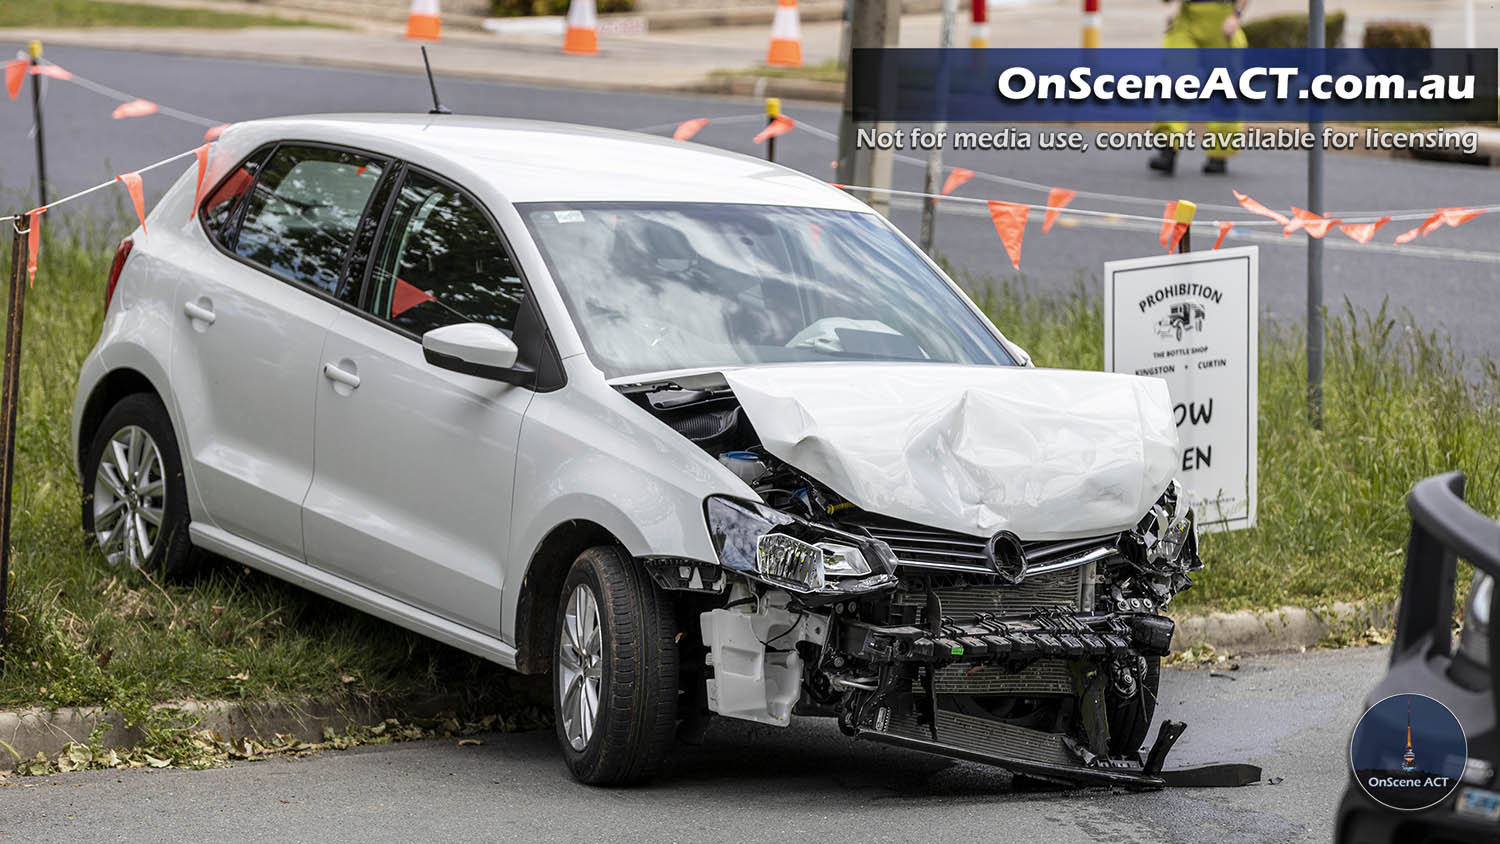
581, 38
424, 22
786, 36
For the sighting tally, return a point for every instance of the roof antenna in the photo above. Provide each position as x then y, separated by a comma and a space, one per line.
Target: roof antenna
437, 107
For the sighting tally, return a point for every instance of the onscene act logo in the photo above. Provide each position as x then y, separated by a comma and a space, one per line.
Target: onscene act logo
1408, 752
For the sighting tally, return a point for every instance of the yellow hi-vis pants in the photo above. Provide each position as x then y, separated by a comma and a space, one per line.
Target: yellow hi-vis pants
1202, 25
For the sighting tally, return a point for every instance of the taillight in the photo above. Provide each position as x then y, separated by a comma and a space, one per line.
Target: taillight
114, 269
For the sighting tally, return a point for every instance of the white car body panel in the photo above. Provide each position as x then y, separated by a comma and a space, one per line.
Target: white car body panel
1045, 454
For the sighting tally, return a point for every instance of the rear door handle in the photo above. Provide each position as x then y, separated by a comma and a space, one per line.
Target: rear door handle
201, 313
340, 376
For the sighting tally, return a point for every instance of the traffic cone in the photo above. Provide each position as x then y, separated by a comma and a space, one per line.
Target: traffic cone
424, 22
581, 39
786, 36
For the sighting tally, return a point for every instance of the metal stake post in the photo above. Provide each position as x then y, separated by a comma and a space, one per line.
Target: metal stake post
10, 379
773, 111
1315, 41
935, 155
36, 121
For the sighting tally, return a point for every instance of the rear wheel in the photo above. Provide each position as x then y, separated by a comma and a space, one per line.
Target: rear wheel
135, 500
614, 665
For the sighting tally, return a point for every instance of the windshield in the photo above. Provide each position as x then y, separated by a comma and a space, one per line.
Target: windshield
658, 286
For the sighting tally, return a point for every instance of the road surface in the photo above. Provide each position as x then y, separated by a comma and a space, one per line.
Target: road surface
1448, 281
1290, 714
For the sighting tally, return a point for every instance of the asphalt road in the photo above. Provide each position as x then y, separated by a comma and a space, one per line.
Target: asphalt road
1290, 714
1448, 281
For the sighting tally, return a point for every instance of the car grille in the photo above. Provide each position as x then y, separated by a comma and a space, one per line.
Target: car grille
919, 547
1043, 677
1061, 590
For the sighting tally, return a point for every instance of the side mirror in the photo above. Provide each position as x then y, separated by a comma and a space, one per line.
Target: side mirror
478, 349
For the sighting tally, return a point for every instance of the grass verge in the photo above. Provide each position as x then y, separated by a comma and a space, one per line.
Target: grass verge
1400, 406
827, 71
90, 13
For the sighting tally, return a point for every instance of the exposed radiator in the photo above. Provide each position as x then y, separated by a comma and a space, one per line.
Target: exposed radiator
968, 732
1043, 677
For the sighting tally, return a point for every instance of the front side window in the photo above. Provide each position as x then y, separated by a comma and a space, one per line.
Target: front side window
441, 262
663, 286
300, 220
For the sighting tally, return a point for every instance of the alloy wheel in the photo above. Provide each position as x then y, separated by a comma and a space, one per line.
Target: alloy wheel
581, 667
130, 497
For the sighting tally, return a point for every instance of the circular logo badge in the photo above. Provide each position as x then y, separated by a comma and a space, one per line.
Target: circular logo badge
1408, 752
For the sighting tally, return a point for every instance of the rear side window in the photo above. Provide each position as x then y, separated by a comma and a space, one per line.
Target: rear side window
441, 262
300, 219
221, 211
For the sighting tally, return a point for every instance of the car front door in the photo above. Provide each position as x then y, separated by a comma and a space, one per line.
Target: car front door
411, 492
251, 328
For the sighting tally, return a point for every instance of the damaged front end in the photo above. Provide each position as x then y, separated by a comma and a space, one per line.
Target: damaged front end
1042, 657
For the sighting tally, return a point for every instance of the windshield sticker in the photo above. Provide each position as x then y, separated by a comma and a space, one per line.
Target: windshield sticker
568, 216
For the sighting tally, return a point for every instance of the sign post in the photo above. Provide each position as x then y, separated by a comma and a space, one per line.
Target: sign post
1190, 319
10, 397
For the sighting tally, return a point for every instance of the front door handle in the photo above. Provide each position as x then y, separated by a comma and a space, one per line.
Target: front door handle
200, 313
340, 376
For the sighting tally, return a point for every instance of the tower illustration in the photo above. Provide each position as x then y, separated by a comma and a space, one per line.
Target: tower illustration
1409, 758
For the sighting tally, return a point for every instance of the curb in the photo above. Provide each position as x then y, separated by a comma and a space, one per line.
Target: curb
1282, 630
25, 733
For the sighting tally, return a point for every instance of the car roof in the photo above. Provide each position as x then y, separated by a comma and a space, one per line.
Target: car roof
534, 161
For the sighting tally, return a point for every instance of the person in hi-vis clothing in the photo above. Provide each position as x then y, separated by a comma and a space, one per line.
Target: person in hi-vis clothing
1203, 24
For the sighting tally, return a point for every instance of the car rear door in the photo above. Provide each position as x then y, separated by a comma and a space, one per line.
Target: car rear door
411, 492
250, 332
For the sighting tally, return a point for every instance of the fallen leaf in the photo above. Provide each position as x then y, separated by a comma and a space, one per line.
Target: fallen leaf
469, 742
157, 763
242, 676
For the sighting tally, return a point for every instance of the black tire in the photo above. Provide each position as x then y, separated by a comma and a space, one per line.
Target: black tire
171, 553
1130, 720
636, 713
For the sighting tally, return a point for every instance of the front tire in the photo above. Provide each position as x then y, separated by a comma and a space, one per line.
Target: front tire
135, 500
614, 668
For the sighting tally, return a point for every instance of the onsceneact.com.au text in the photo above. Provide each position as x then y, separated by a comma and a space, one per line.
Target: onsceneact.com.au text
1252, 83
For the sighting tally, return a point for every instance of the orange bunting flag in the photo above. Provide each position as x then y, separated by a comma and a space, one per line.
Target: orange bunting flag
134, 108
1057, 200
214, 132
15, 74
202, 153
955, 179
132, 182
1178, 230
1167, 222
1010, 224
1316, 225
51, 70
1362, 232
1256, 208
776, 128
688, 128
407, 296
1224, 228
1441, 217
33, 242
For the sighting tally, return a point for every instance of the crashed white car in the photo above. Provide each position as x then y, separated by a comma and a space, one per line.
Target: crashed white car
697, 434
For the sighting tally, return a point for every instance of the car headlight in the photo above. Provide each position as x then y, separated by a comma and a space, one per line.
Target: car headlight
1474, 639
783, 550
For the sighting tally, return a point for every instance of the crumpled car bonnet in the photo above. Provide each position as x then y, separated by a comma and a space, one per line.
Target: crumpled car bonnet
1046, 454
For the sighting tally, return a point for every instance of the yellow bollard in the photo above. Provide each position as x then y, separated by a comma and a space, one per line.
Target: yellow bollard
773, 111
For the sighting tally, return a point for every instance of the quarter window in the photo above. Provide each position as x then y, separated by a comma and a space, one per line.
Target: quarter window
441, 262
300, 219
222, 207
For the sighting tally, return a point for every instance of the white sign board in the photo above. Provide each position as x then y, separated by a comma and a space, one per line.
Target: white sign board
1190, 319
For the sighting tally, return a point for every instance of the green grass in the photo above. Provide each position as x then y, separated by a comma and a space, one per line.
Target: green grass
74, 13
1399, 405
826, 71
1332, 526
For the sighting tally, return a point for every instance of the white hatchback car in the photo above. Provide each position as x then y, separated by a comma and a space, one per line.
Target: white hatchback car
695, 433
